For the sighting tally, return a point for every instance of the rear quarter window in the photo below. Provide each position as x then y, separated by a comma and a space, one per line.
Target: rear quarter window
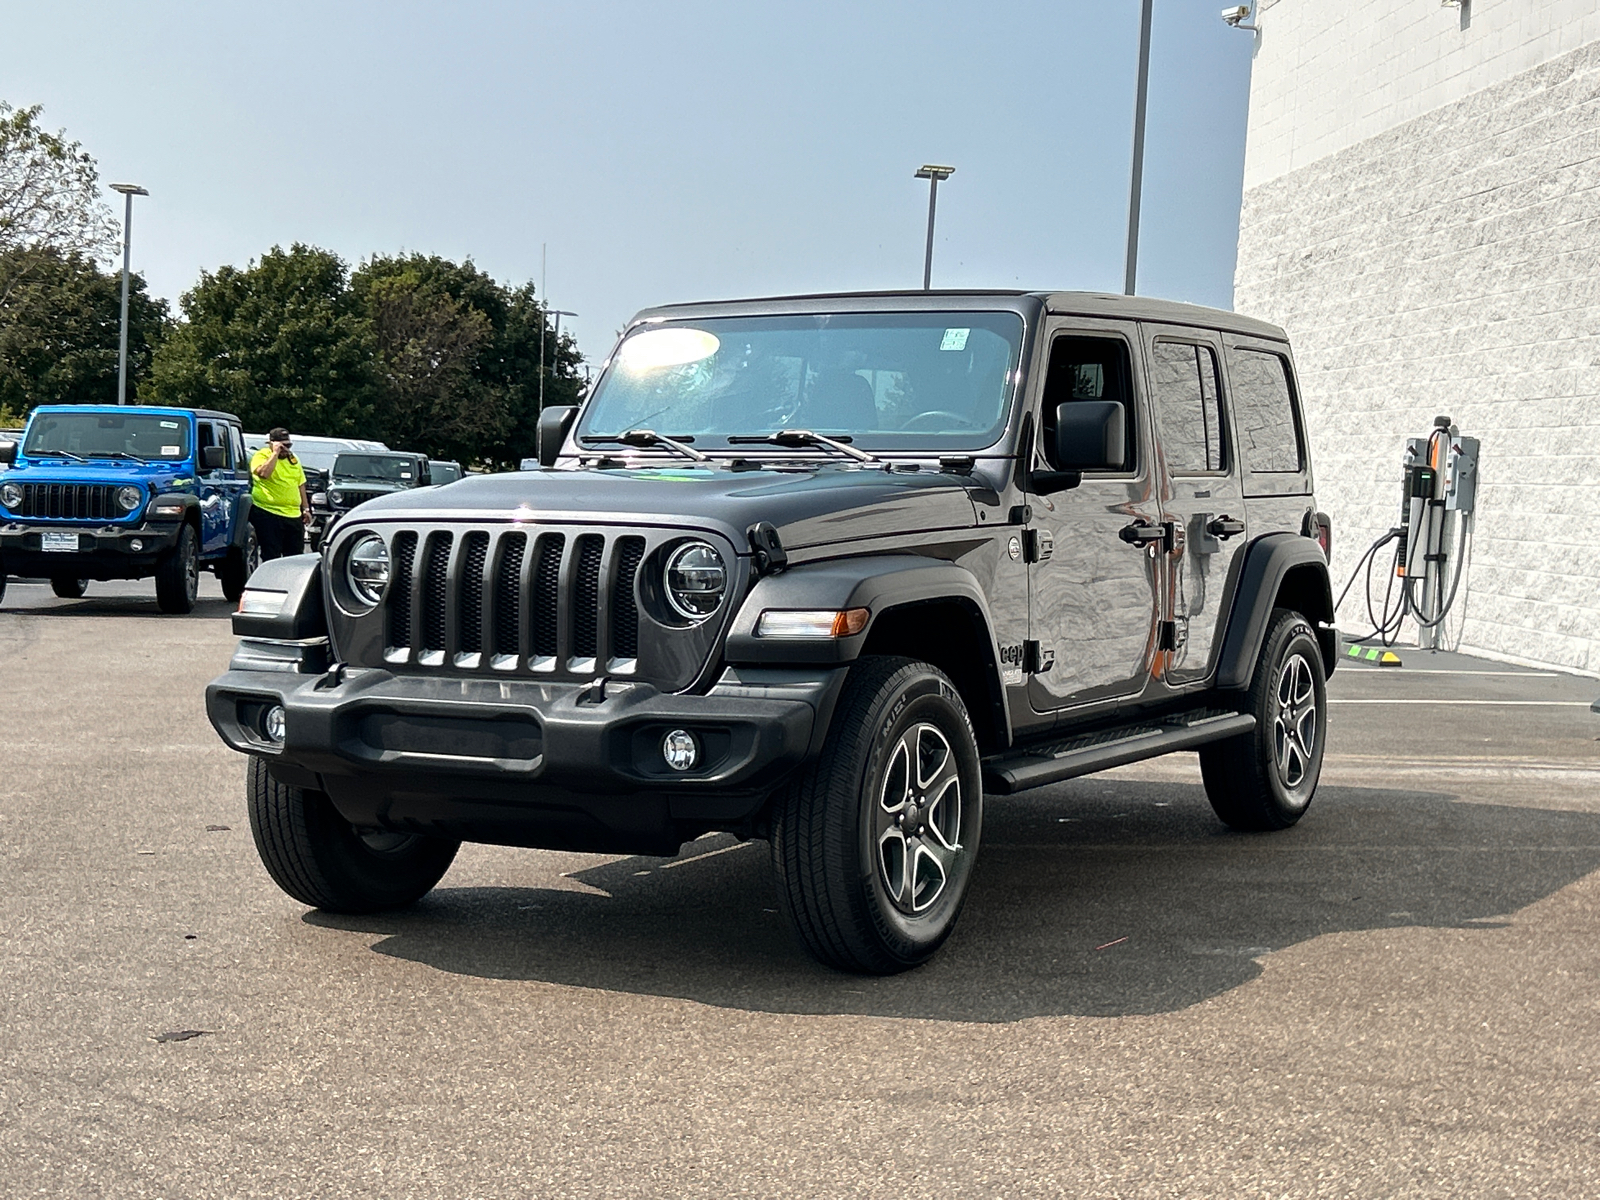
1263, 413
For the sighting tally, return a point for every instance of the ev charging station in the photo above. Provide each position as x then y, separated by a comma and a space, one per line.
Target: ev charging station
1441, 485
1433, 541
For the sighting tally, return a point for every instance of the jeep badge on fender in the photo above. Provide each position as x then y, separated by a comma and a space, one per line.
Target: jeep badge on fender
825, 571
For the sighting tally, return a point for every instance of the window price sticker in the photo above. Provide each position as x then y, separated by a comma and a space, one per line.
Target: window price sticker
954, 339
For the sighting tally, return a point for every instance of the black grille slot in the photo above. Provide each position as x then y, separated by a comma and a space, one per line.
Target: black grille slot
405, 552
70, 501
586, 597
474, 554
435, 579
508, 593
624, 612
546, 587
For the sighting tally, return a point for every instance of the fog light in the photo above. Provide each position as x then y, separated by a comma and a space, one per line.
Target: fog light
680, 750
136, 545
272, 724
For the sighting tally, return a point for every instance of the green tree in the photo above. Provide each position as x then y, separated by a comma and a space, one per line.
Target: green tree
60, 325
50, 200
281, 342
458, 358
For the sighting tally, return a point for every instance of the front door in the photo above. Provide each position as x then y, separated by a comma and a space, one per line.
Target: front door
220, 488
1094, 592
1203, 501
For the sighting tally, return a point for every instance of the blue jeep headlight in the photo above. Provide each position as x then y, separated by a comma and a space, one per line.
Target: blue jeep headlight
130, 498
11, 495
367, 567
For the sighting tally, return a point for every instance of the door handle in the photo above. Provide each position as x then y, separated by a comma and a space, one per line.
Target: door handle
1224, 527
1142, 533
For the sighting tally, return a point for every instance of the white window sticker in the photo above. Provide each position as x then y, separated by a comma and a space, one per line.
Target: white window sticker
954, 339
405, 474
173, 450
169, 424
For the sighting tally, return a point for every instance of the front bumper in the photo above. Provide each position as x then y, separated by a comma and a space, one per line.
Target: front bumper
104, 551
558, 766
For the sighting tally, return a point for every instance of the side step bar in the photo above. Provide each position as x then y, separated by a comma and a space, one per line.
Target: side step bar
1035, 766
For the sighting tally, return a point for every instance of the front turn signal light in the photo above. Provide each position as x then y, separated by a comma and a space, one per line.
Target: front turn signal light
812, 623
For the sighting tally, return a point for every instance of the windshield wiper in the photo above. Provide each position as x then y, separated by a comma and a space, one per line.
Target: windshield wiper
58, 453
803, 437
648, 437
117, 454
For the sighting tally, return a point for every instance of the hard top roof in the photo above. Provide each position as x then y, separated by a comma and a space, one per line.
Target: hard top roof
208, 413
1083, 304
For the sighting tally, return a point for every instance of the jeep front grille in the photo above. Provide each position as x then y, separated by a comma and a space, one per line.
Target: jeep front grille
71, 501
479, 600
348, 498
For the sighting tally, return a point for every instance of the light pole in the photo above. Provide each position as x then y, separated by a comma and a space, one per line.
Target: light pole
933, 174
1132, 266
557, 313
129, 191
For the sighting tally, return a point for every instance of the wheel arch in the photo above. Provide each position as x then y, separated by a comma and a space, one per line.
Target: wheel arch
1281, 570
921, 608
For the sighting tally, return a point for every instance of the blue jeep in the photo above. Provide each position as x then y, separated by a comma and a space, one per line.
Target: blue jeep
126, 492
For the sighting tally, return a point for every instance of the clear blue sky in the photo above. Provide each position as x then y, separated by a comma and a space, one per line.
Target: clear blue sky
696, 150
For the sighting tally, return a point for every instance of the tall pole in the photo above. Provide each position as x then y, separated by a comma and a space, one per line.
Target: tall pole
129, 191
543, 305
933, 174
1132, 267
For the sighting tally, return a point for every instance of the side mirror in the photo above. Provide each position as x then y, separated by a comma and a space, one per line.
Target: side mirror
213, 458
554, 424
1091, 435
424, 475
8, 453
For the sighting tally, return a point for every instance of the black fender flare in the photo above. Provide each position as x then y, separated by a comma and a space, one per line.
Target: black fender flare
241, 522
1270, 562
301, 614
882, 584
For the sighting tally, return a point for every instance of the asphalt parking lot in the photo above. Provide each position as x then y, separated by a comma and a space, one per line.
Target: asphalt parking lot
1396, 998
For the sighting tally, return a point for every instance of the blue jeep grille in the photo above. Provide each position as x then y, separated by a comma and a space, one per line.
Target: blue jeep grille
70, 501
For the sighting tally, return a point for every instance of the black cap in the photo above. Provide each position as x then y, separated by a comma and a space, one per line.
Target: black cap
280, 434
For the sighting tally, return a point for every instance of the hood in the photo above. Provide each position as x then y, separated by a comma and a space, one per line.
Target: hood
159, 475
811, 506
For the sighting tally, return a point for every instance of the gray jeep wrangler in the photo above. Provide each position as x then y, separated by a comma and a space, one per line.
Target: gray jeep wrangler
825, 571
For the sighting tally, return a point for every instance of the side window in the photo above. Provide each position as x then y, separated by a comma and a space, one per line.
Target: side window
1188, 406
1263, 411
1089, 368
207, 437
236, 444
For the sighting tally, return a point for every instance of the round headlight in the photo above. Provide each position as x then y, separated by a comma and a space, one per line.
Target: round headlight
10, 495
367, 567
696, 580
129, 498
336, 497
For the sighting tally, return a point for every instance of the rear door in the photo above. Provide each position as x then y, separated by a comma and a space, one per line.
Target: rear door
1093, 595
220, 487
1202, 498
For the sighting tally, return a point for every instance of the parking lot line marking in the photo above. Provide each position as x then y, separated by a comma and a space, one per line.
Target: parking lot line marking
684, 862
1510, 674
1538, 703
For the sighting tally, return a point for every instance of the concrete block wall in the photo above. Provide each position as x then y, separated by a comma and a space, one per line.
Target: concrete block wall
1451, 264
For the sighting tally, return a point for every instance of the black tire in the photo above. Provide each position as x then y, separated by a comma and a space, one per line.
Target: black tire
1264, 780
320, 859
841, 849
239, 564
69, 589
178, 574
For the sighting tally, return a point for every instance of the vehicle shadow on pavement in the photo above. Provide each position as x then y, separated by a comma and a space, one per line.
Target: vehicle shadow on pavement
117, 606
1097, 897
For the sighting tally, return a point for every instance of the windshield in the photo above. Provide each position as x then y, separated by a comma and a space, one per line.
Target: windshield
887, 381
108, 435
375, 466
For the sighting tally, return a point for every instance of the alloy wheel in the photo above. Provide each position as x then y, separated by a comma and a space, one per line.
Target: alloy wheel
1294, 726
918, 819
